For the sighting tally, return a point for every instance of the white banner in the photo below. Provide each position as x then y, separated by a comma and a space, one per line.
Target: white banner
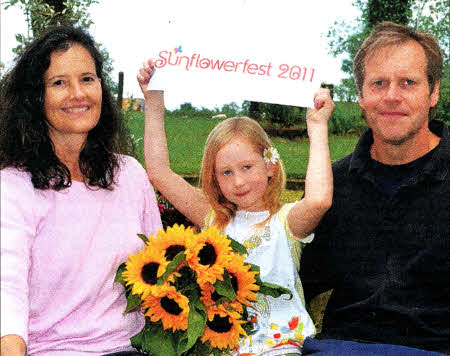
238, 50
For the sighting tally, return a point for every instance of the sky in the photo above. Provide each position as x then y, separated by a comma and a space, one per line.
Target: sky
136, 31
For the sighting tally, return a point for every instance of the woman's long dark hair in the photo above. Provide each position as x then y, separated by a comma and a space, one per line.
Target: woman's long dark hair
24, 138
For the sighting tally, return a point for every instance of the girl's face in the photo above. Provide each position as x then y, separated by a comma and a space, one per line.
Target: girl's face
242, 174
72, 95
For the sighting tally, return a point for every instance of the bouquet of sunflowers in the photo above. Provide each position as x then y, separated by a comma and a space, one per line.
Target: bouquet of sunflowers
194, 289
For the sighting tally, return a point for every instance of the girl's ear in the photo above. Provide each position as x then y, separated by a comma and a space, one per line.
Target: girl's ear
271, 169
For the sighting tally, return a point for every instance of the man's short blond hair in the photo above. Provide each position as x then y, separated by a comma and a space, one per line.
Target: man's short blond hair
390, 34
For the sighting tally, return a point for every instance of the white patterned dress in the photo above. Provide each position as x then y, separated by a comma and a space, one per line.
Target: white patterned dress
282, 323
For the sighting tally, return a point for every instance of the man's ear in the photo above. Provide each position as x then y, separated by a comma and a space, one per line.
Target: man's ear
361, 102
435, 94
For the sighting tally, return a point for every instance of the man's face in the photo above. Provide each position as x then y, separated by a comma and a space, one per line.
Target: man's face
395, 94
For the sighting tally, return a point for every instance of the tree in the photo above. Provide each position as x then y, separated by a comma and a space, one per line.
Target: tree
343, 38
394, 10
40, 14
231, 109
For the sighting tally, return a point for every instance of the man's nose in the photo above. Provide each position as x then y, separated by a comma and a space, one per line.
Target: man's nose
393, 92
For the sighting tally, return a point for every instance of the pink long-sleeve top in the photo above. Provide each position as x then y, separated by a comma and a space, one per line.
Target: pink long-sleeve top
59, 255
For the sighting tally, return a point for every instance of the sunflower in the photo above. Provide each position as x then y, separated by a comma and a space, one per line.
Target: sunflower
143, 271
223, 328
208, 254
210, 297
172, 241
242, 279
171, 307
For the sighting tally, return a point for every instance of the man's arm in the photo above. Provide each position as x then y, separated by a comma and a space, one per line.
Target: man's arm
315, 272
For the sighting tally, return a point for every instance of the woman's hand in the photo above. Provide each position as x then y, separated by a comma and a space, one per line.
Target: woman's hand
13, 345
145, 74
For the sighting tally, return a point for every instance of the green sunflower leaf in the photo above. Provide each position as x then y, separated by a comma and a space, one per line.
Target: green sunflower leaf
143, 237
119, 272
255, 268
237, 246
196, 327
202, 349
225, 288
249, 328
171, 267
195, 302
154, 340
274, 290
133, 303
138, 340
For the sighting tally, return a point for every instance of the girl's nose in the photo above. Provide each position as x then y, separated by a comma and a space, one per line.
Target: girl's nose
238, 180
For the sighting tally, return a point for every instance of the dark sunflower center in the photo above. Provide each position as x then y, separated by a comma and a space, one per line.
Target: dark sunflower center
219, 324
207, 255
172, 251
170, 306
215, 296
149, 273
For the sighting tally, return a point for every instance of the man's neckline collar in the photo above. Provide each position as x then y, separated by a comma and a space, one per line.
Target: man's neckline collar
361, 154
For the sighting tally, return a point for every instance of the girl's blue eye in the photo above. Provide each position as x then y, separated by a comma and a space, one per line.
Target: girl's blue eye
227, 172
409, 82
247, 167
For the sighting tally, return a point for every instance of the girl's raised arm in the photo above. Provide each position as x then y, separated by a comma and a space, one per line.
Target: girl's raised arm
306, 214
183, 196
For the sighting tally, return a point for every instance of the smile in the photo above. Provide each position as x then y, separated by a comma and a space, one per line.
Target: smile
393, 114
241, 194
76, 110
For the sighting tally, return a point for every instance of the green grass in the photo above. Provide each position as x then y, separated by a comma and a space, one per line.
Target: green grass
186, 138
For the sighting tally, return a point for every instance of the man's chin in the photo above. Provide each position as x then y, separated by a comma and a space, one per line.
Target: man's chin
396, 139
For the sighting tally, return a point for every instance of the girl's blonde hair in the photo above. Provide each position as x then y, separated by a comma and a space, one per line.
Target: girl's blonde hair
245, 128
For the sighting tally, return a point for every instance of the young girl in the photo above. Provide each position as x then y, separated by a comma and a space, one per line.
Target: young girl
242, 178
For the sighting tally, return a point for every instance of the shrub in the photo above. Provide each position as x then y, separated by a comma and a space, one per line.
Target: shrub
282, 115
346, 118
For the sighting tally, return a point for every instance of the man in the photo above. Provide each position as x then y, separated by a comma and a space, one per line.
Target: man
384, 245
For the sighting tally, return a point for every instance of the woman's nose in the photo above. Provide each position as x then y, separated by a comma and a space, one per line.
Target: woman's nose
76, 90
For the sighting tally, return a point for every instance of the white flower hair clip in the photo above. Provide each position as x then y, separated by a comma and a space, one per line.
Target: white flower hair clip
271, 155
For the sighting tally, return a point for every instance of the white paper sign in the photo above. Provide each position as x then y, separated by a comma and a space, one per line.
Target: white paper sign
243, 50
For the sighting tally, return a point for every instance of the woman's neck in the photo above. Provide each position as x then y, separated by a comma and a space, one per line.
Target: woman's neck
68, 152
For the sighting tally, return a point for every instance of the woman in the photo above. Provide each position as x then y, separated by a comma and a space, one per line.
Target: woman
71, 204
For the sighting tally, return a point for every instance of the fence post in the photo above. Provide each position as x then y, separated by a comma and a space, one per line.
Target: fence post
328, 86
120, 93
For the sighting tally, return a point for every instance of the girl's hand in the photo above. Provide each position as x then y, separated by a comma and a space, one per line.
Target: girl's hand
323, 108
145, 74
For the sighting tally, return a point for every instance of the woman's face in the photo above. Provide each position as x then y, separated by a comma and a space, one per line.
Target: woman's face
72, 95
